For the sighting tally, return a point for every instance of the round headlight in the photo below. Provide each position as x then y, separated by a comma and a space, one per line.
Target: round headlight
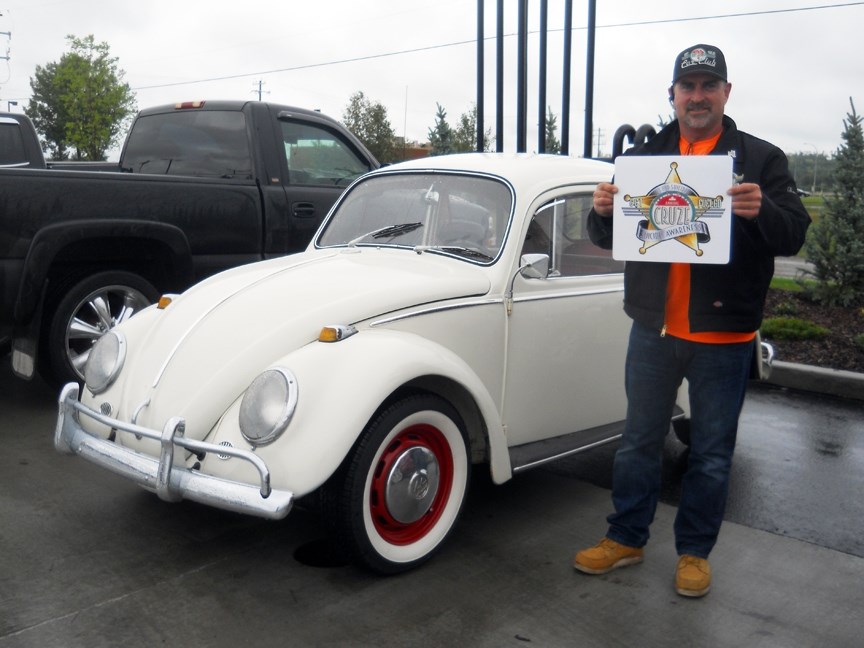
105, 361
268, 405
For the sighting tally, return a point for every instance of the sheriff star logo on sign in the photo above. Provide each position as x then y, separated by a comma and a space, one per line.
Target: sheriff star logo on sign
673, 210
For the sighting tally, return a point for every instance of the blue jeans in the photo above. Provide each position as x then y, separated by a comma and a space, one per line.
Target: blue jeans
717, 376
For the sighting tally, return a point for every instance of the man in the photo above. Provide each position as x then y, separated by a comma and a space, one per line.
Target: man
696, 322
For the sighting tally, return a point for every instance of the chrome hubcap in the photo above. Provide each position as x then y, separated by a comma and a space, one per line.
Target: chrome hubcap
412, 484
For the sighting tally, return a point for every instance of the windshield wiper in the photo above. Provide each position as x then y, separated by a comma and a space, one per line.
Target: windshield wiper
391, 231
454, 249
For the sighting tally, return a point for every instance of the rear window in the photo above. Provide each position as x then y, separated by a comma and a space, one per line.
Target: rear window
211, 144
11, 144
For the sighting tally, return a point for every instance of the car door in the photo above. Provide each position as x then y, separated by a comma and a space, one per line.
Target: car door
567, 332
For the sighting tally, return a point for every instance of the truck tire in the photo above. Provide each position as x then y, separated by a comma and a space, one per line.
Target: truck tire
85, 310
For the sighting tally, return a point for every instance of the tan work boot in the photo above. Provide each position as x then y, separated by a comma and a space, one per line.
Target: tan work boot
692, 576
606, 556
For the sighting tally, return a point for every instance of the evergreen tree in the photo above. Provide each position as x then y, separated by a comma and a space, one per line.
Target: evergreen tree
368, 120
465, 136
551, 143
441, 136
80, 104
835, 245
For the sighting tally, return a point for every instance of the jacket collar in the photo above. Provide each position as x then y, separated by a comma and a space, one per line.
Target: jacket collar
666, 141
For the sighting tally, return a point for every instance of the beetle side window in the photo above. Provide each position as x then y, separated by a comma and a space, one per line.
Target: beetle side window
315, 156
560, 229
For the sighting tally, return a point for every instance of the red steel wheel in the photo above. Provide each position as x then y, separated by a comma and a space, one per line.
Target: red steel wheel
397, 497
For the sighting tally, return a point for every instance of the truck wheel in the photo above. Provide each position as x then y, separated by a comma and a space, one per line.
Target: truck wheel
397, 497
84, 313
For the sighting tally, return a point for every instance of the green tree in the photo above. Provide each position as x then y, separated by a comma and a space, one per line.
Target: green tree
441, 136
80, 104
835, 245
368, 120
465, 135
551, 142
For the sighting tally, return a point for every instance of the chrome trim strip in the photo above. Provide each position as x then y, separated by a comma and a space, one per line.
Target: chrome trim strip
169, 481
435, 309
492, 300
564, 295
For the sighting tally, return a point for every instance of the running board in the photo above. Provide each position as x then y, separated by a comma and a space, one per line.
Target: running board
534, 454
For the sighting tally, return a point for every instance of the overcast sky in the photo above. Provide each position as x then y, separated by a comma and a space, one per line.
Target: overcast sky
793, 64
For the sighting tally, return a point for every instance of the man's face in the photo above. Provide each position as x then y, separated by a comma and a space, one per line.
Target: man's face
699, 100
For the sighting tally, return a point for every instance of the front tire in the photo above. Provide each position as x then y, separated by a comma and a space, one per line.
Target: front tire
397, 497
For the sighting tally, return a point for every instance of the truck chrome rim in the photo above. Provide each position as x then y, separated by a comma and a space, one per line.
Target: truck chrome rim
97, 314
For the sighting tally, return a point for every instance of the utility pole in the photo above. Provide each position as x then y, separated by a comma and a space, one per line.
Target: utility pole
260, 90
600, 141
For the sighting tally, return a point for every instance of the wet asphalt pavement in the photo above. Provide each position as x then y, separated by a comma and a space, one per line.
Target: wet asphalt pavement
798, 469
87, 559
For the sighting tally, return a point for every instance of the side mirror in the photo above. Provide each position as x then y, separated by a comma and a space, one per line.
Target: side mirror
534, 266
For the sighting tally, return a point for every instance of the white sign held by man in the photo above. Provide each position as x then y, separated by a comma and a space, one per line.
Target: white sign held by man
672, 208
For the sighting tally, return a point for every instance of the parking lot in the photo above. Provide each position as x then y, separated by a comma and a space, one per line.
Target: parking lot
87, 559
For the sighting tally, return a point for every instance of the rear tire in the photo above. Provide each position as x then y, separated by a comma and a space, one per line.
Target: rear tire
85, 312
398, 495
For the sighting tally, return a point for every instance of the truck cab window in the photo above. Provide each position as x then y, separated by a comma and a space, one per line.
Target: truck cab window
315, 156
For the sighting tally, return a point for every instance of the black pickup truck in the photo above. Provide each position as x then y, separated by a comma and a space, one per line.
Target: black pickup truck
199, 187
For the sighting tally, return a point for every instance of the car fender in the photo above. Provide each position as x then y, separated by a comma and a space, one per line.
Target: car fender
341, 385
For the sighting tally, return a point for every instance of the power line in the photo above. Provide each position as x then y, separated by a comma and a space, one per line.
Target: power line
473, 41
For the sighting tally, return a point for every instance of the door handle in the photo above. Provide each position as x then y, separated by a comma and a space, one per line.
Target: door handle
303, 209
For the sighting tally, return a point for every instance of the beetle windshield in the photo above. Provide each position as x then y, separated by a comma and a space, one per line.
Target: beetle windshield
462, 215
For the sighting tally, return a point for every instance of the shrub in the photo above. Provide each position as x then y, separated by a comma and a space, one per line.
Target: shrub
791, 328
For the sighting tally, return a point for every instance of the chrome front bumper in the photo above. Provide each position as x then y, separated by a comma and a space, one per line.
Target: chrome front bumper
171, 482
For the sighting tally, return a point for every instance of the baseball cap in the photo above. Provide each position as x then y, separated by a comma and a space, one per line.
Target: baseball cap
707, 59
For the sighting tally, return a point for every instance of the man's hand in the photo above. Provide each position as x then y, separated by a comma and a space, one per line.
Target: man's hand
746, 199
603, 197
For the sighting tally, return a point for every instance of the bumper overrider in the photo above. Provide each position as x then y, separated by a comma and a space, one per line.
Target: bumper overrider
171, 482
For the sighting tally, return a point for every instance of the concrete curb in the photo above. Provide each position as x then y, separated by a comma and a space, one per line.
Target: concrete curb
836, 382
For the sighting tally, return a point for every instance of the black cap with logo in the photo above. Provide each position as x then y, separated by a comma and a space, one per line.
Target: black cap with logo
706, 59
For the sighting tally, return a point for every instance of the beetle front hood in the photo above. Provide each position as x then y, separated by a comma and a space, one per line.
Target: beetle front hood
206, 347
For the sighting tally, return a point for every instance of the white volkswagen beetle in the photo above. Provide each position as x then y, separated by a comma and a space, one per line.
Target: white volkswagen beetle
449, 311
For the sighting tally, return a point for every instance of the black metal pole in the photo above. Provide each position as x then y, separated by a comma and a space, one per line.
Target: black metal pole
522, 79
481, 62
589, 79
565, 91
541, 107
499, 79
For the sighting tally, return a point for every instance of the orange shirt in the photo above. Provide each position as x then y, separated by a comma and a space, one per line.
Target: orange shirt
678, 287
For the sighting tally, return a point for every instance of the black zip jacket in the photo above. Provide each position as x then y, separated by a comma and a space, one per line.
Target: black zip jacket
727, 297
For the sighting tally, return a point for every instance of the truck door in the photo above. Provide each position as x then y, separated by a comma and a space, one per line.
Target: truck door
318, 163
